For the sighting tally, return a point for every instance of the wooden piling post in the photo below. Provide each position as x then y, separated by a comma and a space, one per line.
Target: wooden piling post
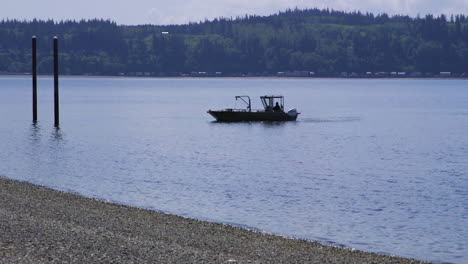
34, 79
56, 83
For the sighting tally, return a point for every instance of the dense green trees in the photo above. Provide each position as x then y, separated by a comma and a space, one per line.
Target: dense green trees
323, 41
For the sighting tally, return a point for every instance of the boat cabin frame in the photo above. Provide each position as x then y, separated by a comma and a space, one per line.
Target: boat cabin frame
246, 100
269, 101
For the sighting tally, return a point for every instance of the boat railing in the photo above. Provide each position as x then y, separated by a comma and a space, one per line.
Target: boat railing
234, 110
246, 110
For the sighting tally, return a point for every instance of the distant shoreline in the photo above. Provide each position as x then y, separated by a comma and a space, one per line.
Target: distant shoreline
44, 225
233, 77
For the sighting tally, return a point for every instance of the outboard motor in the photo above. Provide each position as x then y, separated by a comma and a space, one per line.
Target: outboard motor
292, 112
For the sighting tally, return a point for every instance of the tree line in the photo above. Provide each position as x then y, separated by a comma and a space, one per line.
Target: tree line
323, 41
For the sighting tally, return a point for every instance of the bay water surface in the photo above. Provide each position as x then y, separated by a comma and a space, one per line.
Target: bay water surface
376, 165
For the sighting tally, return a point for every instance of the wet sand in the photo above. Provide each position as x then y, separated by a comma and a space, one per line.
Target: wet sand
41, 225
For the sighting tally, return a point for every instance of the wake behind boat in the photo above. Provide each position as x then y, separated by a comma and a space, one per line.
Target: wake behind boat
273, 111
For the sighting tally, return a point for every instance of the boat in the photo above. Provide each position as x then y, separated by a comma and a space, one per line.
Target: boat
273, 110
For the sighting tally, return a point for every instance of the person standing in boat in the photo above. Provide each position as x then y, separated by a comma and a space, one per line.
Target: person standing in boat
277, 108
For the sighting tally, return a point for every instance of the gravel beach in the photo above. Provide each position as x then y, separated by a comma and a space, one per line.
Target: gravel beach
40, 225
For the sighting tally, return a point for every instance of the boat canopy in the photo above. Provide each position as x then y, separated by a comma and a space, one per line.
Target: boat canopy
269, 101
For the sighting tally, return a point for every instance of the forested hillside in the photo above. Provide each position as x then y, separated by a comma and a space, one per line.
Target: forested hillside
322, 41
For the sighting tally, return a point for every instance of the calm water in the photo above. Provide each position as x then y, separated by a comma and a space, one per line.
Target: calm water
377, 165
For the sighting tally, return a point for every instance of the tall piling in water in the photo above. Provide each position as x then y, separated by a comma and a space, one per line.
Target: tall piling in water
34, 79
56, 83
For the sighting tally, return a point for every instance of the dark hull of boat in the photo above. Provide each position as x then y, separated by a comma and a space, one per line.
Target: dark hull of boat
233, 116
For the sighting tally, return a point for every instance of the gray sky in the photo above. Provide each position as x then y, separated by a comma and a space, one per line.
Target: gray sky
132, 12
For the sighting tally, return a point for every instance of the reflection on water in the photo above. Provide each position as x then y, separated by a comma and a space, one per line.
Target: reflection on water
57, 134
255, 123
35, 135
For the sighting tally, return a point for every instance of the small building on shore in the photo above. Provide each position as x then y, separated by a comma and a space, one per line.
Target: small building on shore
445, 74
415, 75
